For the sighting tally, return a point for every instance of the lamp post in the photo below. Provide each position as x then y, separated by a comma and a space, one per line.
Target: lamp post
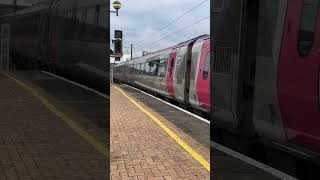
116, 5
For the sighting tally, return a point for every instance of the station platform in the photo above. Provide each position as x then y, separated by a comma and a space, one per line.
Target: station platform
146, 144
47, 131
142, 149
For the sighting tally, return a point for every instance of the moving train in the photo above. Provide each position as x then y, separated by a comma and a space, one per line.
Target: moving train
265, 80
180, 73
67, 37
269, 92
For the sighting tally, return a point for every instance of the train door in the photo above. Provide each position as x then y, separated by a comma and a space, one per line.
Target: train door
203, 83
298, 73
170, 72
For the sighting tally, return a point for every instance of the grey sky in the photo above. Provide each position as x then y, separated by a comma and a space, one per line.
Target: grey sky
139, 19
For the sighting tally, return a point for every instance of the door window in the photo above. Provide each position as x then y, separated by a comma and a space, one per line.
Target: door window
307, 26
206, 67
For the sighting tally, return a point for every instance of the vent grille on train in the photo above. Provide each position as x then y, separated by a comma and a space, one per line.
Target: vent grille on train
222, 60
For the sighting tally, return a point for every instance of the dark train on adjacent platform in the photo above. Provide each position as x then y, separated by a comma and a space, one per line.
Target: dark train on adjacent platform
265, 79
67, 37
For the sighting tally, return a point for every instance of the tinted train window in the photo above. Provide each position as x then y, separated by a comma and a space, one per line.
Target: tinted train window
84, 16
80, 13
97, 15
153, 68
91, 15
74, 13
136, 68
162, 68
131, 69
307, 26
156, 68
69, 14
147, 69
206, 67
103, 16
217, 6
142, 68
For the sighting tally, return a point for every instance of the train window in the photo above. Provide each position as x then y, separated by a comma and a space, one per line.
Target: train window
180, 68
74, 13
307, 26
194, 63
132, 68
84, 15
217, 6
142, 68
178, 61
162, 67
136, 67
80, 14
147, 69
103, 16
157, 65
97, 14
91, 15
69, 14
153, 68
206, 67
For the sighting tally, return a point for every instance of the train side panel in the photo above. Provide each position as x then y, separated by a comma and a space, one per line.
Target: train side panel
298, 73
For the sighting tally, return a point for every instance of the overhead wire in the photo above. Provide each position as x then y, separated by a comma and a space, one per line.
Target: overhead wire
180, 30
173, 21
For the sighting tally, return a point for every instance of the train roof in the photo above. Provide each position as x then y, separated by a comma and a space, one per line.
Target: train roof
159, 52
44, 5
28, 10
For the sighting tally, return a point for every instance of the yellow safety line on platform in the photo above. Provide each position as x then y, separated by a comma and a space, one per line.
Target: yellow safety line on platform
193, 153
73, 125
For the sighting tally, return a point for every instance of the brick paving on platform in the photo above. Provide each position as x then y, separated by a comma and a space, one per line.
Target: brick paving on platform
141, 149
36, 144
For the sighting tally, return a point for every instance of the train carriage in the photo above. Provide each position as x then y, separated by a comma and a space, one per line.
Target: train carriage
67, 37
180, 73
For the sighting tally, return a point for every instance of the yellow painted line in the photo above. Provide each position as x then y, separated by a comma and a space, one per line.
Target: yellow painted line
193, 153
73, 125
